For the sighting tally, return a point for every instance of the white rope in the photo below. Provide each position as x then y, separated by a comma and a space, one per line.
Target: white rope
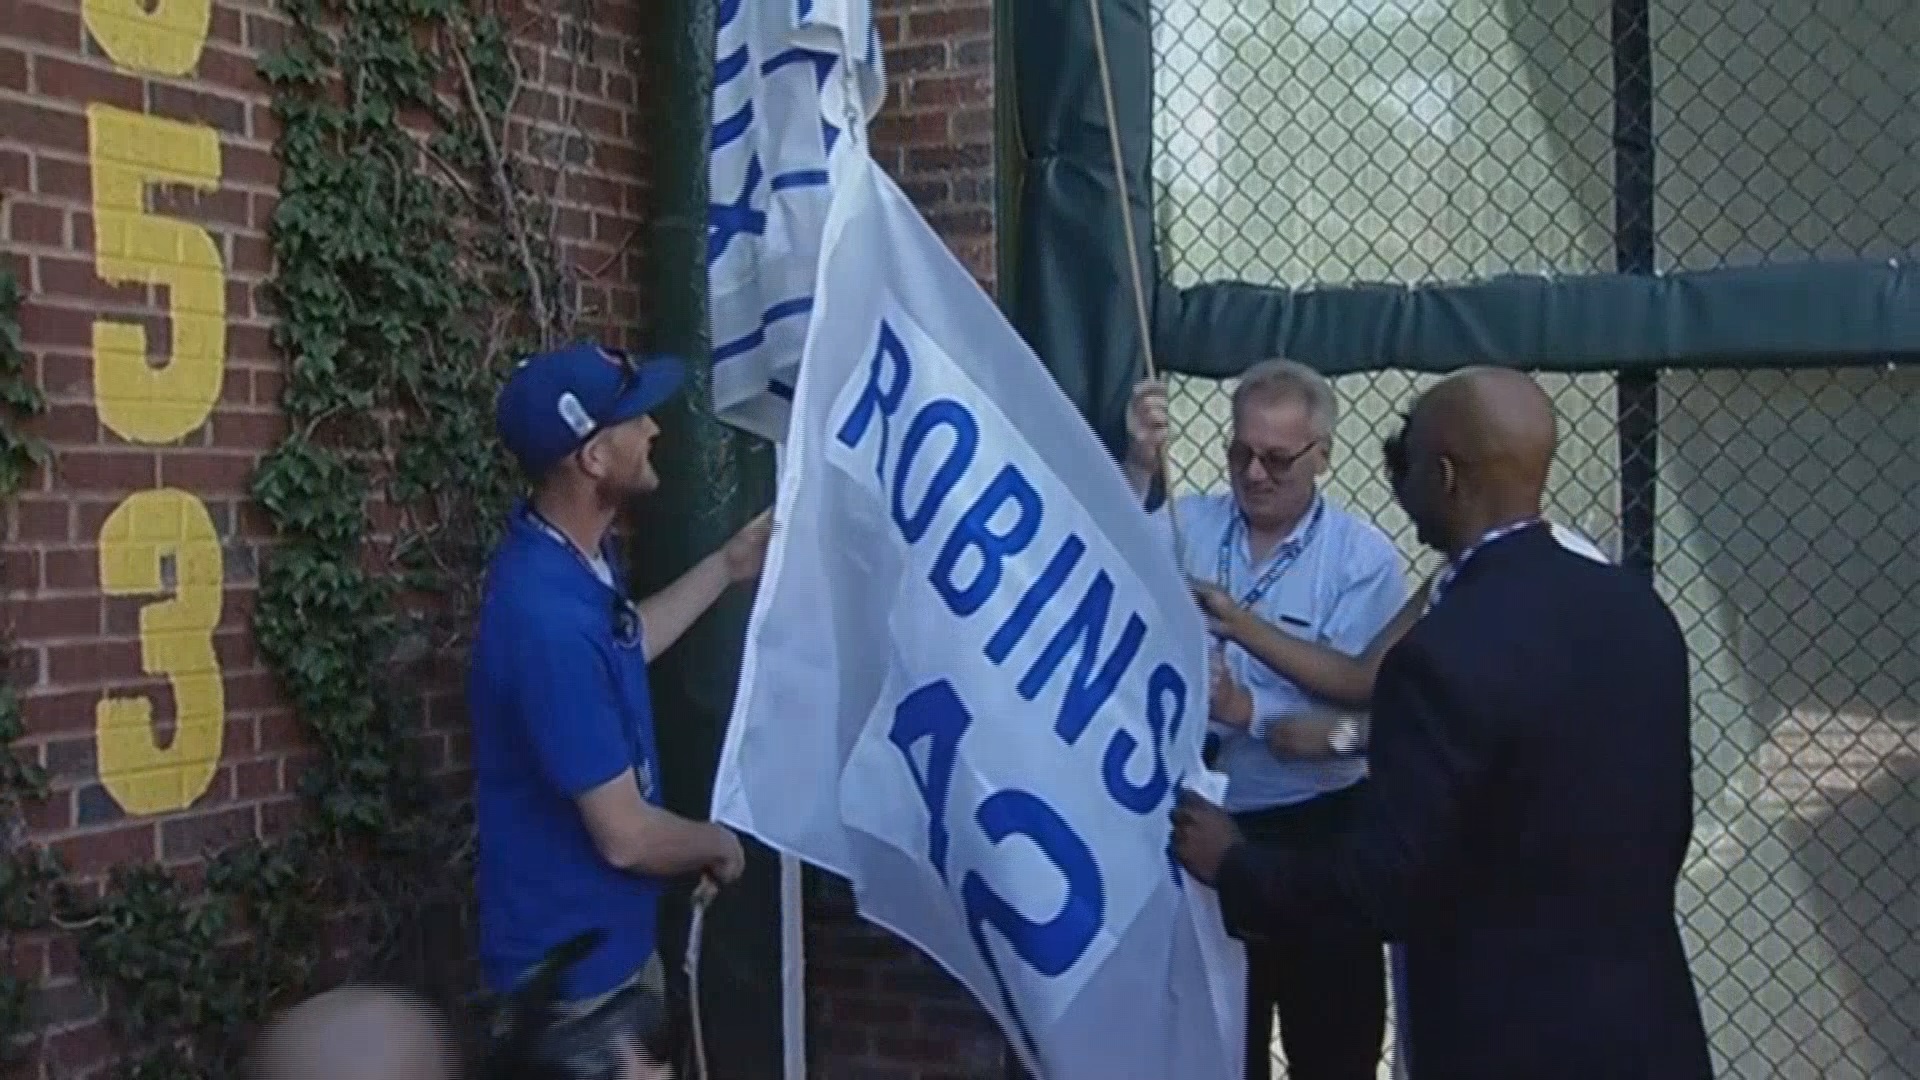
702, 896
1144, 321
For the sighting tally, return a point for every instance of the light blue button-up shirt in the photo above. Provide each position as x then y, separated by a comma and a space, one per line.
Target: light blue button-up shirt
1346, 585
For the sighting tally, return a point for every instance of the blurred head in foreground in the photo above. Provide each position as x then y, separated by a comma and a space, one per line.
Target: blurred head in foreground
356, 1033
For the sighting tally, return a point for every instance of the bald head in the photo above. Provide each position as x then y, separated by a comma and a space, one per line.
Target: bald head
1479, 444
1494, 422
356, 1033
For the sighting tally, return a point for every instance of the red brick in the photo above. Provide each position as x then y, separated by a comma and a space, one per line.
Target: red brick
918, 57
279, 815
46, 22
66, 376
957, 22
230, 70
206, 472
223, 111
30, 223
84, 84
94, 663
228, 26
239, 300
69, 424
52, 128
49, 617
13, 69
264, 125
73, 568
248, 691
235, 649
944, 158
195, 835
241, 736
109, 470
66, 712
246, 166
95, 853
75, 278
249, 343
974, 125
911, 128
63, 178
969, 89
255, 779
38, 520
49, 815
20, 570
16, 172
268, 386
208, 209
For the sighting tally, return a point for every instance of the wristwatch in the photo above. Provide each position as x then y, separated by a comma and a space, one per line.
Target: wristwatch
1345, 737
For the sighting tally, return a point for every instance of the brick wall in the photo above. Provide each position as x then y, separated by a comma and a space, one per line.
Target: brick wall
876, 1008
195, 425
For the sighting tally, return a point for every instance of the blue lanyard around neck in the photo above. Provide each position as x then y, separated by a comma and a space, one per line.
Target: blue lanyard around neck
1282, 559
1451, 572
600, 568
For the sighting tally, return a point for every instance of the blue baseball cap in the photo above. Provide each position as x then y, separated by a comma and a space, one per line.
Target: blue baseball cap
555, 401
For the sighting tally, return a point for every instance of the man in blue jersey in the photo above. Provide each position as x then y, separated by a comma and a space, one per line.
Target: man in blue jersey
572, 837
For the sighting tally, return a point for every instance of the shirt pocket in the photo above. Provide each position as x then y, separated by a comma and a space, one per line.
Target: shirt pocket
1301, 623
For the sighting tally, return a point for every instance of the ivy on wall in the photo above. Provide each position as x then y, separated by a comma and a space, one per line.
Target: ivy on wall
27, 872
415, 257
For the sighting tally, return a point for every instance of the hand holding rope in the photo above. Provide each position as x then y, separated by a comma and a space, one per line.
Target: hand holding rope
703, 895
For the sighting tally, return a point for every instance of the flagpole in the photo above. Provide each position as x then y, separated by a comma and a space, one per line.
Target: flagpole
793, 935
1133, 245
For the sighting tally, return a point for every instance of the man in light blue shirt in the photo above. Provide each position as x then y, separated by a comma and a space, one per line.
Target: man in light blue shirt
1286, 552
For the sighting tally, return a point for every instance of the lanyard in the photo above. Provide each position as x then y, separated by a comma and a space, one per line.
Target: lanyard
1289, 553
626, 634
1452, 570
601, 570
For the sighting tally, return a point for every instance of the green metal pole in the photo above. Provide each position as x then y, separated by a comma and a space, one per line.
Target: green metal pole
713, 480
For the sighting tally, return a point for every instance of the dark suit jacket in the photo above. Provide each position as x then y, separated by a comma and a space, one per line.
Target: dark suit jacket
1530, 803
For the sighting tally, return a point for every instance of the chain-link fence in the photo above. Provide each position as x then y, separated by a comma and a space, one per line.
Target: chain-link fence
1326, 142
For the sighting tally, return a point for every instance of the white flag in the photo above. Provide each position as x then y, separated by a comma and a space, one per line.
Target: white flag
974, 677
795, 83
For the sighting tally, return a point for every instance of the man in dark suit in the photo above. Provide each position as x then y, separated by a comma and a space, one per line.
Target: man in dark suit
1531, 798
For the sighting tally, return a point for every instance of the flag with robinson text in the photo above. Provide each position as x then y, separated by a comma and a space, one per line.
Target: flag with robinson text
974, 678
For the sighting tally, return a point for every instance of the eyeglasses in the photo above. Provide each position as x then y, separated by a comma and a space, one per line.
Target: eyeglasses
629, 376
1272, 462
628, 364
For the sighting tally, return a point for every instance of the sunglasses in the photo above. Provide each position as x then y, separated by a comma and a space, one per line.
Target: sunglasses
1272, 462
629, 377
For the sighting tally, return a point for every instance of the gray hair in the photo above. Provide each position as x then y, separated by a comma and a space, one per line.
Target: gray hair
1271, 382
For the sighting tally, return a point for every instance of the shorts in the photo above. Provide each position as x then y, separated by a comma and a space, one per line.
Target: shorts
589, 1038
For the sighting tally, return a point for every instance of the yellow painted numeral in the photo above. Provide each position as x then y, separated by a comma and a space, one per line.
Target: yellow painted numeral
131, 151
155, 37
142, 535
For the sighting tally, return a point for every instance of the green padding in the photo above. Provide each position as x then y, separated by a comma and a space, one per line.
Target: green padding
1072, 298
713, 480
1805, 315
